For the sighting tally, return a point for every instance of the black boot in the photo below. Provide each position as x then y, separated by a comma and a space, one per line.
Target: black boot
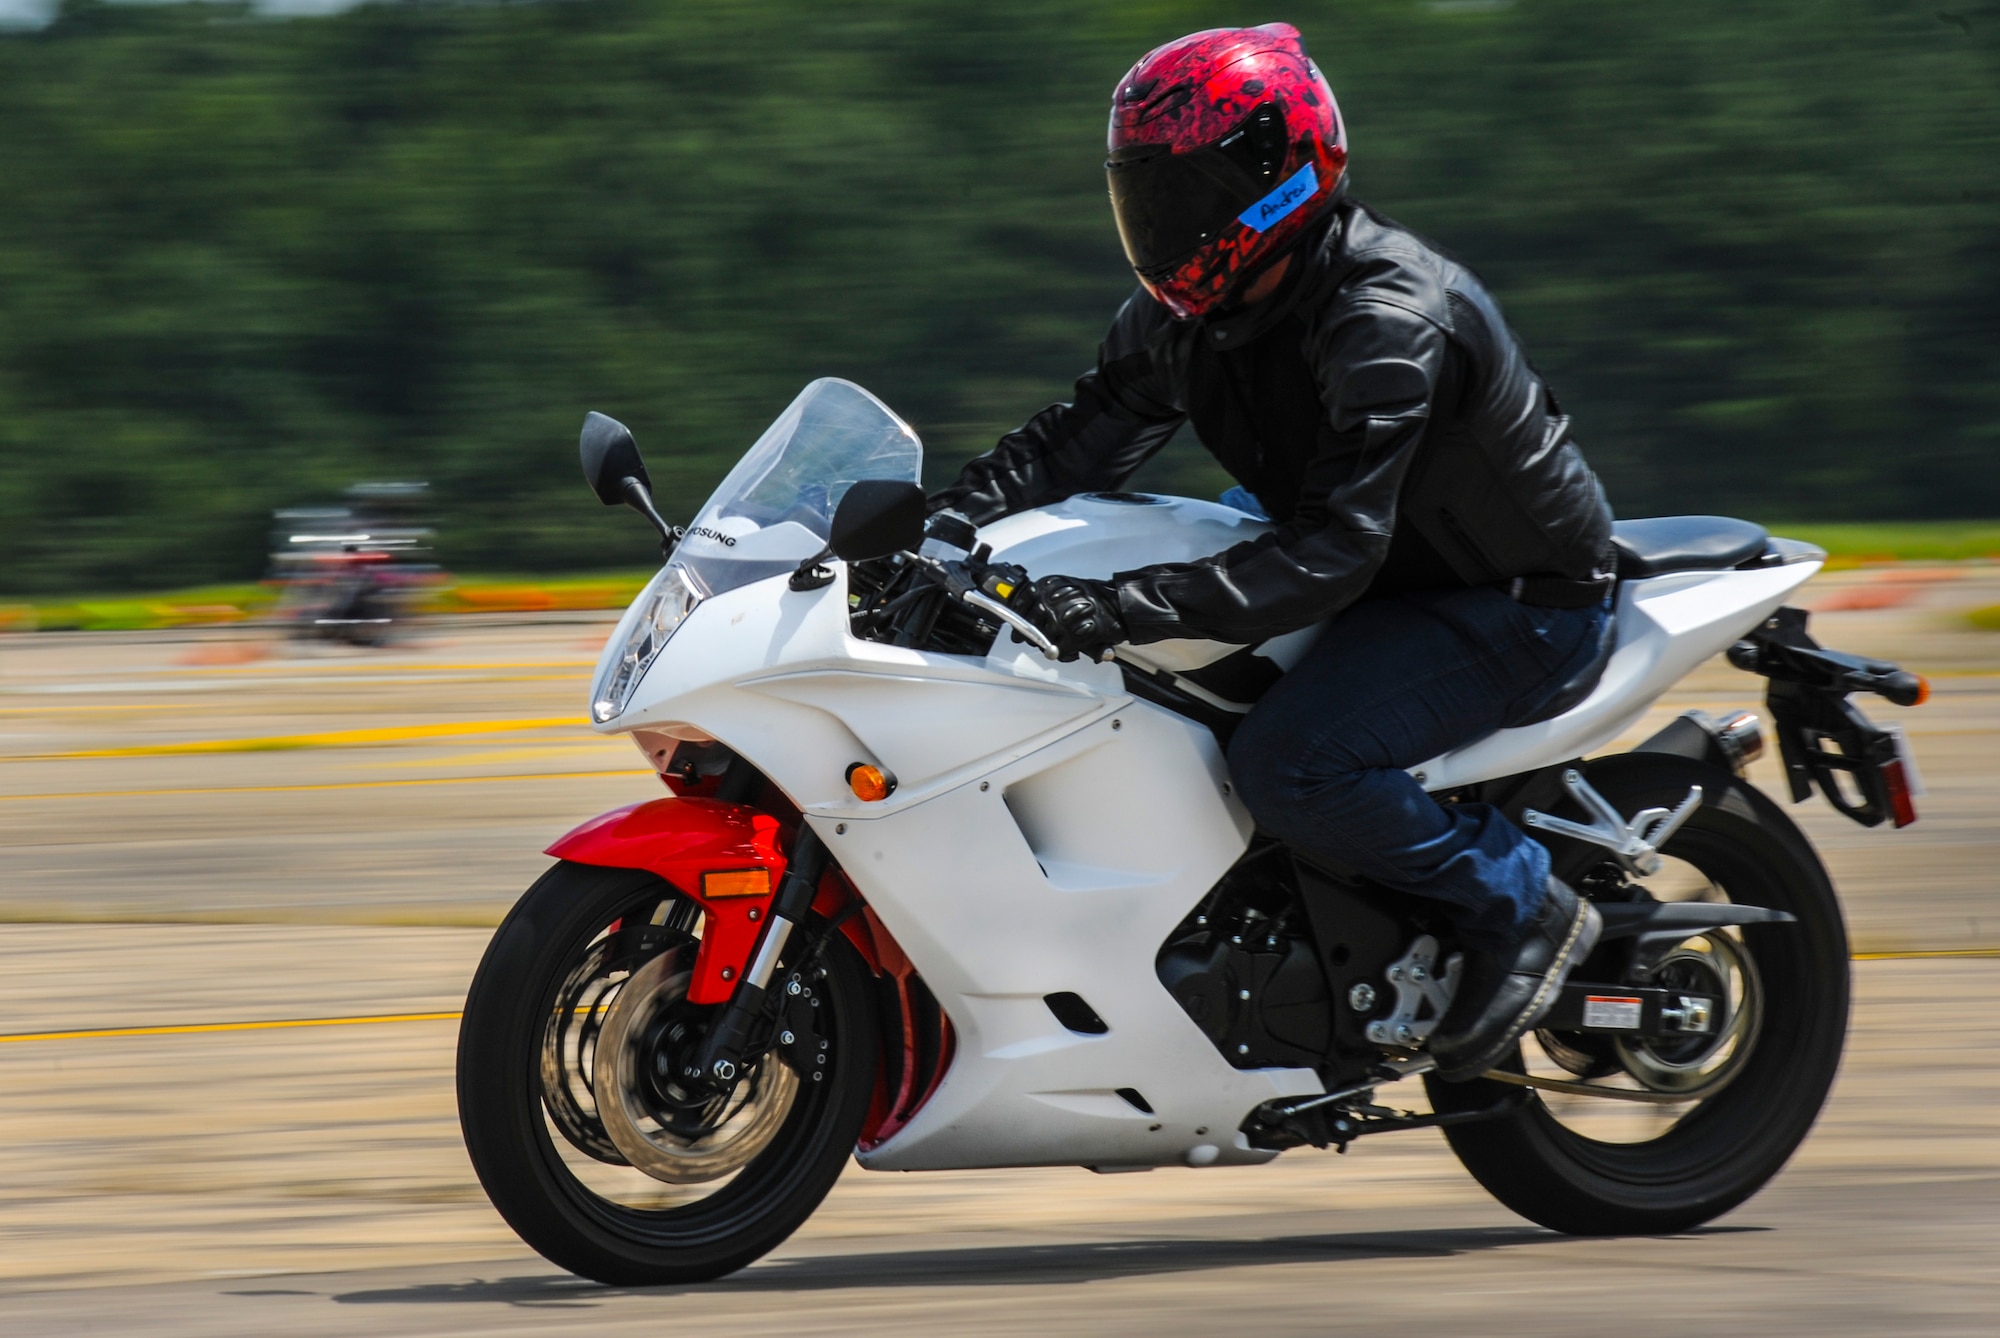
1506, 992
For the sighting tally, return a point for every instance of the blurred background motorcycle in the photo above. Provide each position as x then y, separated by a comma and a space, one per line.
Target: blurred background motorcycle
353, 573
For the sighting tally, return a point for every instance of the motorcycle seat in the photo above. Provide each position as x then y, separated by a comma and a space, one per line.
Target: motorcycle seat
1685, 543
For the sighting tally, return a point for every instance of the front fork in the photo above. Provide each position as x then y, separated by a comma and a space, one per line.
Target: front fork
720, 1056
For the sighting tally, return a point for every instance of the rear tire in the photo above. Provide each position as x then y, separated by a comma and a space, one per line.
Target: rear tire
512, 1123
1729, 1145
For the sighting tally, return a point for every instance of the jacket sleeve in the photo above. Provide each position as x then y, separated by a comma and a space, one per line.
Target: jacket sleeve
1125, 409
1379, 367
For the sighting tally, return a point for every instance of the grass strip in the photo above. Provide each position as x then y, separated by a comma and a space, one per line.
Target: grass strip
1848, 544
1859, 543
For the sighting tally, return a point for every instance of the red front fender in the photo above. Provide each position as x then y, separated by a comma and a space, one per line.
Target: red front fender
682, 839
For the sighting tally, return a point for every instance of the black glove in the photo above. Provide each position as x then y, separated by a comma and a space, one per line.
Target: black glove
1079, 615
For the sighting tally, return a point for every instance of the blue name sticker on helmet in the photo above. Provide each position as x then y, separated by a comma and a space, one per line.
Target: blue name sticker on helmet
1294, 191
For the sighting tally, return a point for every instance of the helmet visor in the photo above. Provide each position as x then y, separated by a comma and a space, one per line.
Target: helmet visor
1170, 204
1167, 207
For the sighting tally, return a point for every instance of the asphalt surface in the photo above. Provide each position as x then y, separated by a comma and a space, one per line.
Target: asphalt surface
217, 831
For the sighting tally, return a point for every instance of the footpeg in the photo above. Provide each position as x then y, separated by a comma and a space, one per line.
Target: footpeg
1636, 843
1422, 995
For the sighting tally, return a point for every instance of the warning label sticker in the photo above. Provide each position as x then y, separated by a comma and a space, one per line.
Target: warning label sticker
1612, 1011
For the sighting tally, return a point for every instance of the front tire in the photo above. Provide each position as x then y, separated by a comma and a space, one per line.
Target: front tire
1728, 1144
526, 1064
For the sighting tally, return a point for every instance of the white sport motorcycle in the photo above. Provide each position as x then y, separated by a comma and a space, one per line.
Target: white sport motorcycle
926, 896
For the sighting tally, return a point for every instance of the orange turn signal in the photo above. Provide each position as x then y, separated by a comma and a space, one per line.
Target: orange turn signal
736, 883
870, 784
1923, 691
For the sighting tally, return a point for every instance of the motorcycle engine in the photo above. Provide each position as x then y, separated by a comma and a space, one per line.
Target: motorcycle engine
1245, 968
1284, 964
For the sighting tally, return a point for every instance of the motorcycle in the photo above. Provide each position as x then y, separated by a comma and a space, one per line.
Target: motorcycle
352, 574
925, 895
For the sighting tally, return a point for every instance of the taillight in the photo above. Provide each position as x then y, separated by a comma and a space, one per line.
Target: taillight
1896, 781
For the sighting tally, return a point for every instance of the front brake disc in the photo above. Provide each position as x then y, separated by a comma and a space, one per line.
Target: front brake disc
633, 1072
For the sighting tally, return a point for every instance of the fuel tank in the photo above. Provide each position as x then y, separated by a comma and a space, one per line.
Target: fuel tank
1096, 534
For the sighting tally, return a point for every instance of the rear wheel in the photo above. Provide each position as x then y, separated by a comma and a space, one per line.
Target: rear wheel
567, 1096
1722, 1110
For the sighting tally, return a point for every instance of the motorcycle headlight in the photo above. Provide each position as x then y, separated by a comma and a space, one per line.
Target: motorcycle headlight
662, 607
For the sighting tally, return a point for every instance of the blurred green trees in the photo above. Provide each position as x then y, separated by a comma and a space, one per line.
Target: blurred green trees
244, 262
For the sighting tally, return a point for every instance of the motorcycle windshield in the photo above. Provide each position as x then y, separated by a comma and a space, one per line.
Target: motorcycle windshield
776, 507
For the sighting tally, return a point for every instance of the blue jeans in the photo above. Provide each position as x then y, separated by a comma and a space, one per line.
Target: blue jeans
1391, 683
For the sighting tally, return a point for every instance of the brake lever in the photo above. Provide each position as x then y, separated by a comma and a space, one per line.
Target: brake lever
1030, 633
957, 583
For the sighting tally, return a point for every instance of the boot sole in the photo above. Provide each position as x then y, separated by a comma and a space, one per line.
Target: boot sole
1583, 935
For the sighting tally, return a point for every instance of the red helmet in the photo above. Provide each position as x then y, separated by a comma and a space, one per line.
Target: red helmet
1224, 147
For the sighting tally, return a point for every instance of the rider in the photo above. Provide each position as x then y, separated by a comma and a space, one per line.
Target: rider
1364, 389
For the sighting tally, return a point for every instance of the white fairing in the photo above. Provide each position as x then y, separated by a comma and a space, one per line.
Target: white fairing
1048, 830
1046, 834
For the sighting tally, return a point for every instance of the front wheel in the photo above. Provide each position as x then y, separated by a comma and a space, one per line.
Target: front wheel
1717, 1114
573, 1032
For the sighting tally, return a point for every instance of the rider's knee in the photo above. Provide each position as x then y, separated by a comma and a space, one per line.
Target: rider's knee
1273, 771
1255, 768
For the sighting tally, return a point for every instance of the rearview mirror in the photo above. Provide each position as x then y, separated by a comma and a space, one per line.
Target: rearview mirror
610, 456
616, 474
877, 517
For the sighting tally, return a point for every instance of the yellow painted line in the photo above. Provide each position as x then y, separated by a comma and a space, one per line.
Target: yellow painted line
493, 755
340, 738
521, 678
570, 677
330, 785
376, 667
199, 1028
1917, 954
377, 1019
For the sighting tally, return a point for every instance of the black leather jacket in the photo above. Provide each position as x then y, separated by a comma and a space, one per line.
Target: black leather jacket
1377, 405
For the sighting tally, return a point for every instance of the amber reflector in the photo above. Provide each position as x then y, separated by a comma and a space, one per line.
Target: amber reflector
870, 784
736, 883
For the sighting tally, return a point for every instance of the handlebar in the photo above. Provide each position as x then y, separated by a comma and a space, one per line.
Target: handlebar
961, 583
981, 587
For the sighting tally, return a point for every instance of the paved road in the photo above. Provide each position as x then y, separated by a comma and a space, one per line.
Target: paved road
311, 1183
290, 836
